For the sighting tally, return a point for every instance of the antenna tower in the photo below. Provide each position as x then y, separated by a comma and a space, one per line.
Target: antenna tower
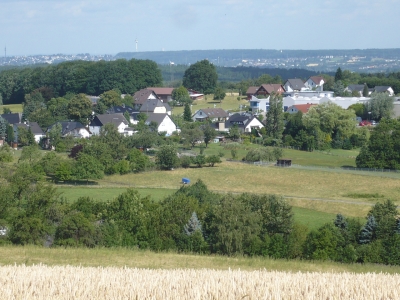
136, 44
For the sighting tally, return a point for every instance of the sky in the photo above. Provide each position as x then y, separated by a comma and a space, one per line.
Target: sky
109, 27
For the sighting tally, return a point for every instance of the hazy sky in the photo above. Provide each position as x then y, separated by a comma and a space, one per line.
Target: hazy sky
108, 27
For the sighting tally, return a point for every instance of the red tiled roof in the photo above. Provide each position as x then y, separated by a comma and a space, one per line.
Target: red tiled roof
273, 88
304, 107
316, 79
161, 90
252, 90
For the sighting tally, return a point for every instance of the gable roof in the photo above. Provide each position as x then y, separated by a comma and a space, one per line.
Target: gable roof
355, 87
35, 128
272, 88
214, 112
304, 108
158, 118
67, 126
120, 109
141, 96
151, 104
252, 90
316, 79
161, 90
240, 119
116, 119
296, 83
381, 88
12, 118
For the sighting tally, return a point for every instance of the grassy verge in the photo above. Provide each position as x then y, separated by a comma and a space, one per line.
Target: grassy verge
15, 108
120, 257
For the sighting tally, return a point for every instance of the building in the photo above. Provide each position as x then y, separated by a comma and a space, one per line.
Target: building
304, 108
294, 85
244, 121
163, 93
212, 114
118, 120
164, 122
70, 128
33, 127
315, 83
155, 106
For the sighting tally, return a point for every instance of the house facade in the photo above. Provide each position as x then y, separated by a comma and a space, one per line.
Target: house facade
75, 129
142, 96
118, 120
155, 106
244, 121
212, 114
315, 83
267, 89
163, 93
304, 108
164, 121
294, 85
259, 105
33, 127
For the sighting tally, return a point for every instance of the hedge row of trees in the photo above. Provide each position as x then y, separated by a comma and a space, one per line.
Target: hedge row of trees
91, 78
193, 219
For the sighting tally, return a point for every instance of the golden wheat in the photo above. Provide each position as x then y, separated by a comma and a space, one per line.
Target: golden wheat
68, 282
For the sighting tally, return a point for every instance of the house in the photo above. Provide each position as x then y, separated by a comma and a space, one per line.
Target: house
300, 107
359, 88
33, 126
244, 121
164, 121
75, 129
122, 109
259, 105
93, 99
292, 85
315, 83
99, 121
163, 93
267, 89
212, 114
142, 96
13, 118
251, 91
155, 106
383, 89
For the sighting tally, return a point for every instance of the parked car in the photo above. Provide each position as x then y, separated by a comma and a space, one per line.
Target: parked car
365, 123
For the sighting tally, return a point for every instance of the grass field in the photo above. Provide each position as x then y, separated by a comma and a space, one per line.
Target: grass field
15, 108
121, 257
229, 103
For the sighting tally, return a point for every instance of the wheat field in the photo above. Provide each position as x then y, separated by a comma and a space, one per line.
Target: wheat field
68, 282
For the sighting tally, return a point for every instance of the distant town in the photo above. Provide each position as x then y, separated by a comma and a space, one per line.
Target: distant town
361, 61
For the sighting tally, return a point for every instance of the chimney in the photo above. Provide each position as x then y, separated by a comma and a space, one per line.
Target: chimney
221, 126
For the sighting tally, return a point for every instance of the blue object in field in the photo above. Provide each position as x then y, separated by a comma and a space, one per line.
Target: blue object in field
185, 180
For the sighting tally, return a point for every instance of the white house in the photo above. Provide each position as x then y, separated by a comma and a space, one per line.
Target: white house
33, 127
315, 83
244, 121
164, 121
155, 106
259, 105
99, 121
142, 96
292, 85
212, 114
75, 129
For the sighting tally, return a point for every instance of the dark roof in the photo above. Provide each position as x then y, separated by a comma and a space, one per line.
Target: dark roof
272, 88
316, 79
115, 119
381, 88
356, 87
141, 96
214, 112
151, 104
35, 128
12, 118
296, 83
239, 119
121, 109
67, 126
158, 118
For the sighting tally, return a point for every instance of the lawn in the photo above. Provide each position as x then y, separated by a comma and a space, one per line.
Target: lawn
229, 103
120, 257
15, 108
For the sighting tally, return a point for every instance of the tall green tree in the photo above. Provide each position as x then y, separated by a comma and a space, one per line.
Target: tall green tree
338, 75
201, 76
365, 92
80, 109
274, 117
219, 93
187, 113
181, 95
3, 128
209, 133
87, 167
107, 100
167, 157
380, 106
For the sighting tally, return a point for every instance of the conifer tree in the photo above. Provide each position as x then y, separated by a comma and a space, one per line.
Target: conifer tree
187, 113
192, 225
368, 232
340, 222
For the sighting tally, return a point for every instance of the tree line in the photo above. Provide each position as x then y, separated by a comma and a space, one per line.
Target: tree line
91, 78
194, 220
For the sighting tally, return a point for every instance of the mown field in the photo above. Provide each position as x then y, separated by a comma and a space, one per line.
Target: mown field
15, 108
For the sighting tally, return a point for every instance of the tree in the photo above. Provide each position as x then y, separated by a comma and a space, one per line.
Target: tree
55, 134
380, 106
338, 75
338, 88
365, 92
234, 132
3, 128
25, 136
10, 134
201, 76
187, 113
209, 133
368, 232
212, 160
80, 109
181, 95
359, 109
87, 167
107, 100
381, 151
274, 118
192, 225
166, 157
192, 134
219, 93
